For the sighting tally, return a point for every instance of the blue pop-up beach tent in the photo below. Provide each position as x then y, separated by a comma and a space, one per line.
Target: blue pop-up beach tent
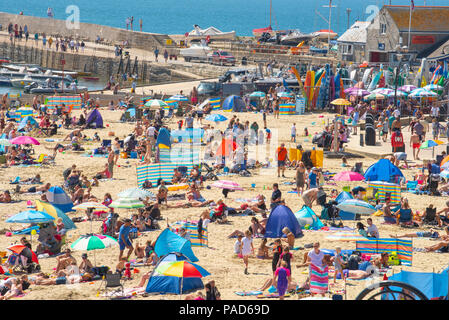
24, 122
383, 170
279, 218
169, 242
159, 283
59, 199
433, 285
234, 103
307, 216
343, 214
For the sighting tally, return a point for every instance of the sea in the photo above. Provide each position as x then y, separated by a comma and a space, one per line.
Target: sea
242, 16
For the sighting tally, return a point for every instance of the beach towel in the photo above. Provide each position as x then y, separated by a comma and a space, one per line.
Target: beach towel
70, 102
319, 279
248, 293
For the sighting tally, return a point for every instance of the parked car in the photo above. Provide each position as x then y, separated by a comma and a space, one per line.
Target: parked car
222, 58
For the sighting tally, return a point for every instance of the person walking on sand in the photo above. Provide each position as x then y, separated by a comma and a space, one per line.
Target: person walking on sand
111, 156
116, 149
247, 248
415, 143
282, 278
124, 240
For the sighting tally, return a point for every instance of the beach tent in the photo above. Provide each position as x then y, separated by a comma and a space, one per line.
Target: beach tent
169, 241
383, 170
94, 119
234, 103
433, 285
155, 171
281, 217
24, 122
180, 154
58, 198
343, 214
159, 283
403, 248
163, 139
306, 216
56, 213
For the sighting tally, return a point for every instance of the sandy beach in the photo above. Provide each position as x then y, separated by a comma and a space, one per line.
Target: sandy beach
218, 258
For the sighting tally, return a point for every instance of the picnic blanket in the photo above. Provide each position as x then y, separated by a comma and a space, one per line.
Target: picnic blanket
319, 279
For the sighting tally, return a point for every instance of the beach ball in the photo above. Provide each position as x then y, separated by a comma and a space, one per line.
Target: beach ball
107, 124
33, 232
313, 123
307, 226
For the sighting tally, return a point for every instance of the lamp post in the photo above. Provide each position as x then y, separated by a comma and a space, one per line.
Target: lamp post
348, 11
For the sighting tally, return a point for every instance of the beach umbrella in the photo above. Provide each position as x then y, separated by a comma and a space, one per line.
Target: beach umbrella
226, 184
216, 118
358, 92
356, 206
407, 88
257, 94
374, 96
93, 242
90, 242
444, 174
181, 269
430, 144
127, 203
155, 104
179, 97
384, 91
348, 176
345, 236
398, 94
19, 248
434, 87
25, 140
422, 93
5, 142
135, 193
30, 216
285, 95
341, 102
90, 205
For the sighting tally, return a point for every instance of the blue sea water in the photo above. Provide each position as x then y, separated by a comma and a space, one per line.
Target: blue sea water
178, 16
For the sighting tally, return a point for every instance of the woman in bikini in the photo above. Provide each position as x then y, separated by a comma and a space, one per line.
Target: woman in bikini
262, 251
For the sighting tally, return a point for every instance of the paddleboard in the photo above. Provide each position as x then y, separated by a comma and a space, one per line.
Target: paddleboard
337, 86
342, 90
366, 75
307, 87
316, 92
331, 89
312, 84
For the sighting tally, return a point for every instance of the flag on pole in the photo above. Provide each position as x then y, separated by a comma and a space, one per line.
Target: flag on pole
412, 5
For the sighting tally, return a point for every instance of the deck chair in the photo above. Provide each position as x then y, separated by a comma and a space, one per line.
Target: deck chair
412, 186
430, 217
113, 285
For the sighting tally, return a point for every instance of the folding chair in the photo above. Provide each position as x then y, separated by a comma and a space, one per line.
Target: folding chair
113, 285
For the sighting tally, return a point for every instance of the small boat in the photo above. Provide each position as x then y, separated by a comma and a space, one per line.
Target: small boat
325, 34
21, 83
212, 33
260, 31
5, 82
294, 37
52, 88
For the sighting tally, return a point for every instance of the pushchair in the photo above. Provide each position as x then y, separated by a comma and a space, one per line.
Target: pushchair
210, 172
22, 263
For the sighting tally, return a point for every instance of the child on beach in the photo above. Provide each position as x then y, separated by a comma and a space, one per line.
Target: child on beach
338, 261
247, 248
290, 237
238, 246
